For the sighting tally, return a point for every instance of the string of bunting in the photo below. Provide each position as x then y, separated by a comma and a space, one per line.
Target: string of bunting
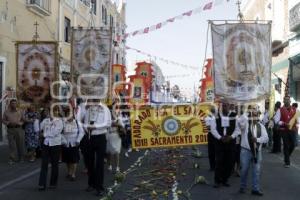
167, 61
205, 7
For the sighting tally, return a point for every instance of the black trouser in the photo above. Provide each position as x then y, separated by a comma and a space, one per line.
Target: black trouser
126, 139
49, 154
97, 149
211, 150
84, 144
224, 160
276, 141
288, 137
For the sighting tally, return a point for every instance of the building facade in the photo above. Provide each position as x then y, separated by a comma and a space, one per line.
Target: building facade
55, 19
276, 11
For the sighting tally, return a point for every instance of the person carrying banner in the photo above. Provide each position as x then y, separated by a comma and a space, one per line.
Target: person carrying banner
283, 119
253, 135
211, 139
294, 123
97, 120
222, 128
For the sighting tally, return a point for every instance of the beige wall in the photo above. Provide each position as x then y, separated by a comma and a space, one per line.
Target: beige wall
50, 28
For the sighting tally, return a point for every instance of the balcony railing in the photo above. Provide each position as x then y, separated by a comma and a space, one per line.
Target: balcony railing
40, 7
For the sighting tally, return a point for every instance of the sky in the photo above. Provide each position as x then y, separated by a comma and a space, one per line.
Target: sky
182, 41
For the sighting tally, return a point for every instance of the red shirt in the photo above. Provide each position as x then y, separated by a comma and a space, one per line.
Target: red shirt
286, 114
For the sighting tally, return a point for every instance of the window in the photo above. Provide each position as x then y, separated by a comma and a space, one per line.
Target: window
86, 2
104, 15
94, 6
111, 21
67, 29
117, 77
117, 58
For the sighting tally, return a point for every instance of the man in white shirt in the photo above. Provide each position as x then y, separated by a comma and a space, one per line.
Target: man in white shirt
222, 128
253, 135
211, 139
97, 120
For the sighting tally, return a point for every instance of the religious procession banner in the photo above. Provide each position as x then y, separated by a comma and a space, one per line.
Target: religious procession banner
169, 126
36, 71
91, 62
242, 60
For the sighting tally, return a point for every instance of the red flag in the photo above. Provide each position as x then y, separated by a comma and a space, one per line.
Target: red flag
171, 19
208, 6
188, 13
146, 30
158, 26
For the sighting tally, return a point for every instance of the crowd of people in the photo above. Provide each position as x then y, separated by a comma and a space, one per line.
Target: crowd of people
59, 134
237, 135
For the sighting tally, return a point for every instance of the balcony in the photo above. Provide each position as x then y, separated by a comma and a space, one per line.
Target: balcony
39, 7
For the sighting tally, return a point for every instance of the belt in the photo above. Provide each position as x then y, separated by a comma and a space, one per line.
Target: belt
14, 126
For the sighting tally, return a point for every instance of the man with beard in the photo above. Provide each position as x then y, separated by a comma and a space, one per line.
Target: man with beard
253, 135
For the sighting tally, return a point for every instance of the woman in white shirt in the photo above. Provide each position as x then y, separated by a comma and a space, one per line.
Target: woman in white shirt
71, 137
51, 129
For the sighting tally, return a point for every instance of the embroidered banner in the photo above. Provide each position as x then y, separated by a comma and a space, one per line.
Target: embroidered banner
91, 62
242, 61
36, 70
169, 126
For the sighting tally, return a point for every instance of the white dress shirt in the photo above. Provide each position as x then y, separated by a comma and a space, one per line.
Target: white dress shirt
265, 118
215, 133
101, 117
72, 133
242, 128
208, 120
52, 131
277, 117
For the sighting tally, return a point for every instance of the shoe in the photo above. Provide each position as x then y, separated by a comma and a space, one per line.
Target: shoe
126, 154
89, 189
129, 150
226, 184
242, 191
217, 185
73, 178
287, 165
109, 168
117, 169
137, 150
42, 188
257, 193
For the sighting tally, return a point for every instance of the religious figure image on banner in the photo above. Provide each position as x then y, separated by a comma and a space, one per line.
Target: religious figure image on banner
36, 71
242, 61
137, 92
91, 55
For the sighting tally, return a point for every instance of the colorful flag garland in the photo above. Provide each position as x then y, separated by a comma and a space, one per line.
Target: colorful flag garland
167, 61
207, 6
